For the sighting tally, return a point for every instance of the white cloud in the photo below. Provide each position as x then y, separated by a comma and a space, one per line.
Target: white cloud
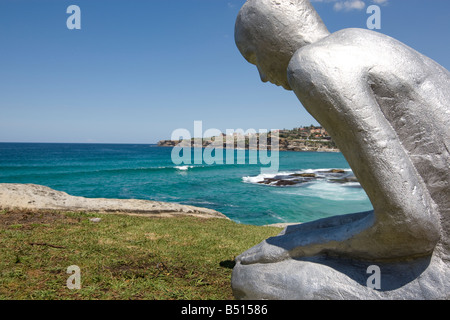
348, 5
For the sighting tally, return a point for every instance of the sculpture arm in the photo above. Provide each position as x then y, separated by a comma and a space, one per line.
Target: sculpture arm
331, 81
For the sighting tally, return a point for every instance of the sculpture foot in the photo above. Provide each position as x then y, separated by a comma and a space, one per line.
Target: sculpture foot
310, 239
326, 278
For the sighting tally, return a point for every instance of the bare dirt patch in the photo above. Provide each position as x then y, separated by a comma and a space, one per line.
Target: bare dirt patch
27, 218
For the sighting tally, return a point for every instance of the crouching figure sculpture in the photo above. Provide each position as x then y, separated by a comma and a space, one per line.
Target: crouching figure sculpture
387, 107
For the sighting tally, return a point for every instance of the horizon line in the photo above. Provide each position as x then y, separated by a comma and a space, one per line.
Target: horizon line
36, 142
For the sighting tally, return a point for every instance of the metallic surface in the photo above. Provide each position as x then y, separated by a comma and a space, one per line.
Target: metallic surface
388, 109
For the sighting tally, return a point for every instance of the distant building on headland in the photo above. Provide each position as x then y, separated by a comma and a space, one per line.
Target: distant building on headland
310, 132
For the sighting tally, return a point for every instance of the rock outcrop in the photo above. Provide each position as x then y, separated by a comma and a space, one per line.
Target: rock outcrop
37, 197
293, 179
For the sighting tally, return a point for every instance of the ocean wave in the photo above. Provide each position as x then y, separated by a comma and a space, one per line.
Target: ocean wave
276, 216
57, 172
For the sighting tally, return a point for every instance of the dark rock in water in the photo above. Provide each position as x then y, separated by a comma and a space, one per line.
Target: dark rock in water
305, 175
286, 183
279, 182
337, 171
349, 178
292, 179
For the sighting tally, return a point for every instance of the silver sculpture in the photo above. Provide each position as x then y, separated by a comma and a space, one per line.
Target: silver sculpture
387, 107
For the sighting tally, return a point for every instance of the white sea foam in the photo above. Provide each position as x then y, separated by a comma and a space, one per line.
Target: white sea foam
352, 184
328, 191
261, 177
183, 168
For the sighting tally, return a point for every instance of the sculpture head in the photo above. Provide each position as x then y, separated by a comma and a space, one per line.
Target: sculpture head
269, 32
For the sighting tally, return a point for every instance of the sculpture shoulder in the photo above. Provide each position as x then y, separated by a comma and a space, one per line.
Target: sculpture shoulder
354, 53
349, 44
354, 48
325, 61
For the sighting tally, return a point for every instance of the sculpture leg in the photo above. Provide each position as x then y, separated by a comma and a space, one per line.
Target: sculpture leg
325, 278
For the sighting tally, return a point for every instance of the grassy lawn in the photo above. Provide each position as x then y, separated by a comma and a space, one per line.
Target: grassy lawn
120, 257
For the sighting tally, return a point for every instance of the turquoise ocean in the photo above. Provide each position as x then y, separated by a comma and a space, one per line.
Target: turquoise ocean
139, 171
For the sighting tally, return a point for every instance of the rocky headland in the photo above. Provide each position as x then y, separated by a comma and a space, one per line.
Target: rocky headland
310, 138
42, 198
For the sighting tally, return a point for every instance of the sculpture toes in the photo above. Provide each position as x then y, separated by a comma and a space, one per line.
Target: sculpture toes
263, 253
253, 255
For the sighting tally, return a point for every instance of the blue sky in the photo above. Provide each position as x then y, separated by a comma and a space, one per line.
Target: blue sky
139, 69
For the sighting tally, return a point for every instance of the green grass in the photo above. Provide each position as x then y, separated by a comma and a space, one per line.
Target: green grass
121, 257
